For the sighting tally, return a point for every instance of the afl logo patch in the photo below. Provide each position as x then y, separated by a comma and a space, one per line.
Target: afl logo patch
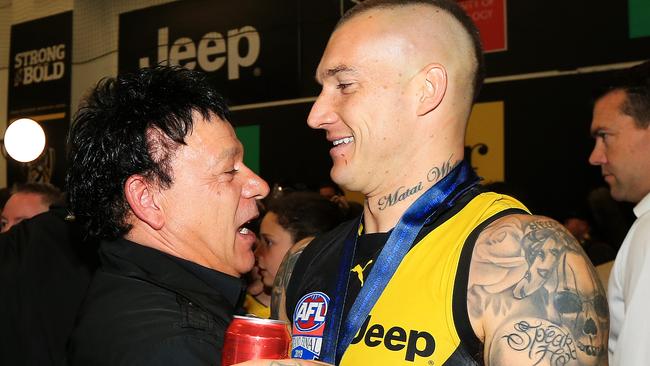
311, 311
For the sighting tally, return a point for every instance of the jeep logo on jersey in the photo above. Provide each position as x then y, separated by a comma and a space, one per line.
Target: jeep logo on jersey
311, 311
211, 52
411, 342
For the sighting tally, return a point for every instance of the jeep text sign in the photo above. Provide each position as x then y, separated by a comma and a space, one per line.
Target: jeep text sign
250, 52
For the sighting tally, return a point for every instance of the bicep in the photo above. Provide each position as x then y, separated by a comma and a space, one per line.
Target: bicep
536, 296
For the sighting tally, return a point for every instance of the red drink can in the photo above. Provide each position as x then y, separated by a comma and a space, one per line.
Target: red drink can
254, 338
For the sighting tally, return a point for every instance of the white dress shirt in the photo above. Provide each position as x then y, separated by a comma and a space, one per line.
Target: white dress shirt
629, 294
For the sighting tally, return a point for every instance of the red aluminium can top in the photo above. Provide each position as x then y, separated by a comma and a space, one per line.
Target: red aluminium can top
250, 338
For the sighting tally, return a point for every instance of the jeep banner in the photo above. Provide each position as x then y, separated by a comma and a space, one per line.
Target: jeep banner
250, 50
39, 88
261, 55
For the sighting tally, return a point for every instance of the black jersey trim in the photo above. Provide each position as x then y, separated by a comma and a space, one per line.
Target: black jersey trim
313, 252
468, 339
443, 216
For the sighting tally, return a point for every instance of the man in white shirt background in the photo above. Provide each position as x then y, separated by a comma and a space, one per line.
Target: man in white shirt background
620, 125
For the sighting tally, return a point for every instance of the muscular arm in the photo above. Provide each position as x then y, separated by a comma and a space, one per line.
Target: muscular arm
281, 281
533, 296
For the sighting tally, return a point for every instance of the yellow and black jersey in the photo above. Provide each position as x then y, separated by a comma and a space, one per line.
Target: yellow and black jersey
421, 316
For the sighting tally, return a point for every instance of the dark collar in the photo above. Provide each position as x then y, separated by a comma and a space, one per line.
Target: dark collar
232, 288
197, 283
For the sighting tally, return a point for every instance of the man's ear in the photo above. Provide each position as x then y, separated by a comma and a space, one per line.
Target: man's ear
433, 88
140, 195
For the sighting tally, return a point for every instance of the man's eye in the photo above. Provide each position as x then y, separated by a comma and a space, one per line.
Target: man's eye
602, 135
343, 86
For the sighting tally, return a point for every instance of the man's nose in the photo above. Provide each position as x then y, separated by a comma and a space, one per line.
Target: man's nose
321, 113
255, 187
597, 156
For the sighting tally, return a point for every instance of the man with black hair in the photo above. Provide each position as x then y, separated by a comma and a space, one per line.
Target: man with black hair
157, 173
620, 125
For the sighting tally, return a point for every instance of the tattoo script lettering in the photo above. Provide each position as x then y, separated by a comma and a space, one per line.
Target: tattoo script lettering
435, 174
438, 172
538, 224
542, 342
399, 195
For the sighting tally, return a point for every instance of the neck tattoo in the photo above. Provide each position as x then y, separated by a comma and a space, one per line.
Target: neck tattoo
433, 176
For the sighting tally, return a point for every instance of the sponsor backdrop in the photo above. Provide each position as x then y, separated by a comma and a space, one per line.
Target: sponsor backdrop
530, 127
490, 18
257, 53
484, 145
531, 132
39, 88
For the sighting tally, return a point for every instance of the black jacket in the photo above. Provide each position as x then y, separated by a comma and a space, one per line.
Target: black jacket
145, 307
45, 270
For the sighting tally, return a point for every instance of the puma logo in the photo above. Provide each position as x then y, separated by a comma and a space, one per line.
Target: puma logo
359, 271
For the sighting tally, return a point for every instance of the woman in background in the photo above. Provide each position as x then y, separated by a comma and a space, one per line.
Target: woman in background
290, 219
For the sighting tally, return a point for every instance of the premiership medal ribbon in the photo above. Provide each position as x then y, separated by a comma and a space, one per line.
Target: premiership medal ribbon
436, 200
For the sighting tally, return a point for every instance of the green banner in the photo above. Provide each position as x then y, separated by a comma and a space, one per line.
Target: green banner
639, 14
250, 138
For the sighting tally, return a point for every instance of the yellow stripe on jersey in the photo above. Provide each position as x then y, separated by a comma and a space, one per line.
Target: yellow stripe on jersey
412, 322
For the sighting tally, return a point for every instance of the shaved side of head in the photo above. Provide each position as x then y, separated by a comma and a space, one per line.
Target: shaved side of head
444, 24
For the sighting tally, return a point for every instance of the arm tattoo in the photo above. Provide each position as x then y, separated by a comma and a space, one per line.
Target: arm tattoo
281, 281
541, 341
531, 281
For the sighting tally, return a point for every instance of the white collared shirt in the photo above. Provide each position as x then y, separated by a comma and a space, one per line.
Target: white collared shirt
629, 294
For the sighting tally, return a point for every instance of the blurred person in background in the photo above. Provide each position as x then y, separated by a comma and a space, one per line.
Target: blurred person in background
334, 193
258, 296
290, 222
45, 269
28, 200
579, 224
621, 127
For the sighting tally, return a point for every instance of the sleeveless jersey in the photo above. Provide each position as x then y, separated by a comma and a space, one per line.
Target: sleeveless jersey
421, 316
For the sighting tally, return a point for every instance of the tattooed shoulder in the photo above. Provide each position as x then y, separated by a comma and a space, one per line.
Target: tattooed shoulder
536, 295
